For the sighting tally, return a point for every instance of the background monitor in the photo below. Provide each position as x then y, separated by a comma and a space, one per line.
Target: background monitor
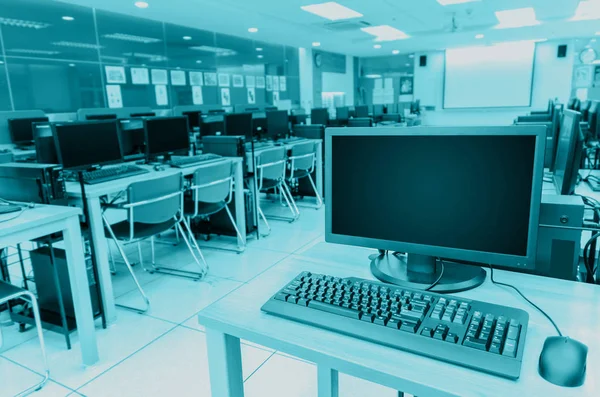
86, 144
568, 153
342, 113
45, 149
148, 114
377, 110
594, 111
319, 116
571, 103
193, 119
361, 111
239, 124
21, 130
443, 192
584, 110
278, 124
166, 135
556, 120
101, 117
133, 137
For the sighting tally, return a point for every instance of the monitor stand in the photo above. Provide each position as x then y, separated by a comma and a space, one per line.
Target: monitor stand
420, 271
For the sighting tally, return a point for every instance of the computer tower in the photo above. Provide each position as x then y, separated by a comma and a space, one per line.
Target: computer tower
33, 183
220, 223
48, 290
226, 146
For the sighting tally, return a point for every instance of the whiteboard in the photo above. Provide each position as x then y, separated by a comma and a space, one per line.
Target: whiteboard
499, 75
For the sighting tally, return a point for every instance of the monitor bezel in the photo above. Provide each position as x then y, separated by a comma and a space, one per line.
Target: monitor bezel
526, 262
562, 183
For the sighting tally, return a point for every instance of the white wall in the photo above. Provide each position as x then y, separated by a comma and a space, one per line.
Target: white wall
305, 56
341, 82
551, 78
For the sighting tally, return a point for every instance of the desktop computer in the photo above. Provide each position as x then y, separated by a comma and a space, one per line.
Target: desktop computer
45, 148
361, 111
569, 150
319, 116
133, 139
98, 117
166, 136
21, 130
428, 196
585, 110
238, 124
377, 112
193, 119
278, 124
342, 114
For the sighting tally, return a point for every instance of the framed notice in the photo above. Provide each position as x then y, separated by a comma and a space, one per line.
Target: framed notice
113, 92
115, 75
197, 98
225, 97
260, 82
275, 98
196, 78
223, 80
282, 84
250, 81
178, 77
251, 93
159, 76
238, 81
210, 79
269, 83
140, 76
275, 83
162, 98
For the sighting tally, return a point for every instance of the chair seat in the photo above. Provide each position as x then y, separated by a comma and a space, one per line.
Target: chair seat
301, 173
269, 183
7, 290
204, 209
140, 230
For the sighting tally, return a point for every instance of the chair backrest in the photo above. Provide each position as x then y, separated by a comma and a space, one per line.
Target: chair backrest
303, 156
271, 163
212, 184
155, 200
309, 131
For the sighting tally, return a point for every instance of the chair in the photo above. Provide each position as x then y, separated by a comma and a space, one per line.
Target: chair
9, 292
153, 207
271, 167
302, 164
211, 192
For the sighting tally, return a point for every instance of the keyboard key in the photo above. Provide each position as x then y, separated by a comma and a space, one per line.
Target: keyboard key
409, 326
475, 343
510, 348
427, 332
292, 299
393, 323
452, 338
333, 309
367, 317
281, 296
380, 320
513, 333
302, 302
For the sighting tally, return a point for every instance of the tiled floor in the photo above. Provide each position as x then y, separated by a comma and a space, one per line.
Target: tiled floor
163, 352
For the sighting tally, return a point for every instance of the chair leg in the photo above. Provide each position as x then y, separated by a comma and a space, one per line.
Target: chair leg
194, 243
317, 195
237, 231
113, 269
140, 256
129, 268
38, 324
264, 218
290, 200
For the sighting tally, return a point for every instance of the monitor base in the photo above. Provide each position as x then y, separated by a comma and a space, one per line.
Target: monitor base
420, 271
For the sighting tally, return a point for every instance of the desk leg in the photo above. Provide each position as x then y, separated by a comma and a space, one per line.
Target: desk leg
80, 286
240, 213
327, 382
320, 169
224, 364
255, 197
101, 247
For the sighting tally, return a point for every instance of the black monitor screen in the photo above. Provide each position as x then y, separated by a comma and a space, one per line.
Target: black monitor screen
101, 117
568, 153
342, 113
319, 116
361, 111
21, 130
278, 124
593, 118
148, 114
193, 119
239, 124
84, 144
437, 190
377, 110
165, 135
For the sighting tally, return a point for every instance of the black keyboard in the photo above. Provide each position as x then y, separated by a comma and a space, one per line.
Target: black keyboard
258, 145
190, 161
291, 140
473, 334
112, 173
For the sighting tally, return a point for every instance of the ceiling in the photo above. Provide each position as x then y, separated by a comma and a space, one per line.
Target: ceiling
430, 25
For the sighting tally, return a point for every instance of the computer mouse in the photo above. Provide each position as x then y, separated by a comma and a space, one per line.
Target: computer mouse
563, 361
159, 168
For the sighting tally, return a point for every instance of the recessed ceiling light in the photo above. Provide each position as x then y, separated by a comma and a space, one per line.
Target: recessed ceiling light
259, 56
198, 61
516, 18
598, 33
408, 64
75, 44
373, 76
252, 30
479, 36
452, 2
33, 52
68, 18
332, 11
141, 4
1, 62
316, 44
385, 33
187, 37
178, 68
218, 51
411, 56
587, 10
395, 52
259, 49
21, 23
593, 40
72, 65
377, 46
131, 37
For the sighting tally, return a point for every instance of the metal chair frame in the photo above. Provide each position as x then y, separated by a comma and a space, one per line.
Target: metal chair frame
309, 172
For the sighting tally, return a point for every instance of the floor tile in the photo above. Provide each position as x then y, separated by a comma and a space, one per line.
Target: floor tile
15, 379
176, 364
176, 299
283, 376
131, 332
11, 336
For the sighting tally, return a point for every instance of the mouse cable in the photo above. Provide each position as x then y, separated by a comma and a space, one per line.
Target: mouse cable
524, 297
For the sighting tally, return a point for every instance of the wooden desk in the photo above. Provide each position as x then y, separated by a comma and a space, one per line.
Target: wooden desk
574, 306
95, 192
43, 220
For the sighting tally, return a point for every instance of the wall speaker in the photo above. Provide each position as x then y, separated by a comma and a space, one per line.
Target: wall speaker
423, 61
562, 51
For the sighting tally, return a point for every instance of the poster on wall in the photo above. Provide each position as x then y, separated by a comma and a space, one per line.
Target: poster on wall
269, 83
197, 98
282, 84
113, 93
238, 80
251, 95
196, 78
162, 98
159, 76
210, 79
178, 77
275, 83
225, 97
406, 85
275, 98
115, 74
583, 76
223, 80
260, 82
250, 81
140, 76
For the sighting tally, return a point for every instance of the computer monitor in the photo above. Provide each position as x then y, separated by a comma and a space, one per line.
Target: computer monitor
216, 111
377, 110
594, 119
193, 119
239, 124
278, 124
101, 117
342, 113
571, 103
133, 137
45, 149
148, 114
585, 110
436, 192
556, 121
361, 111
166, 136
577, 105
21, 130
82, 145
568, 153
270, 108
319, 116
